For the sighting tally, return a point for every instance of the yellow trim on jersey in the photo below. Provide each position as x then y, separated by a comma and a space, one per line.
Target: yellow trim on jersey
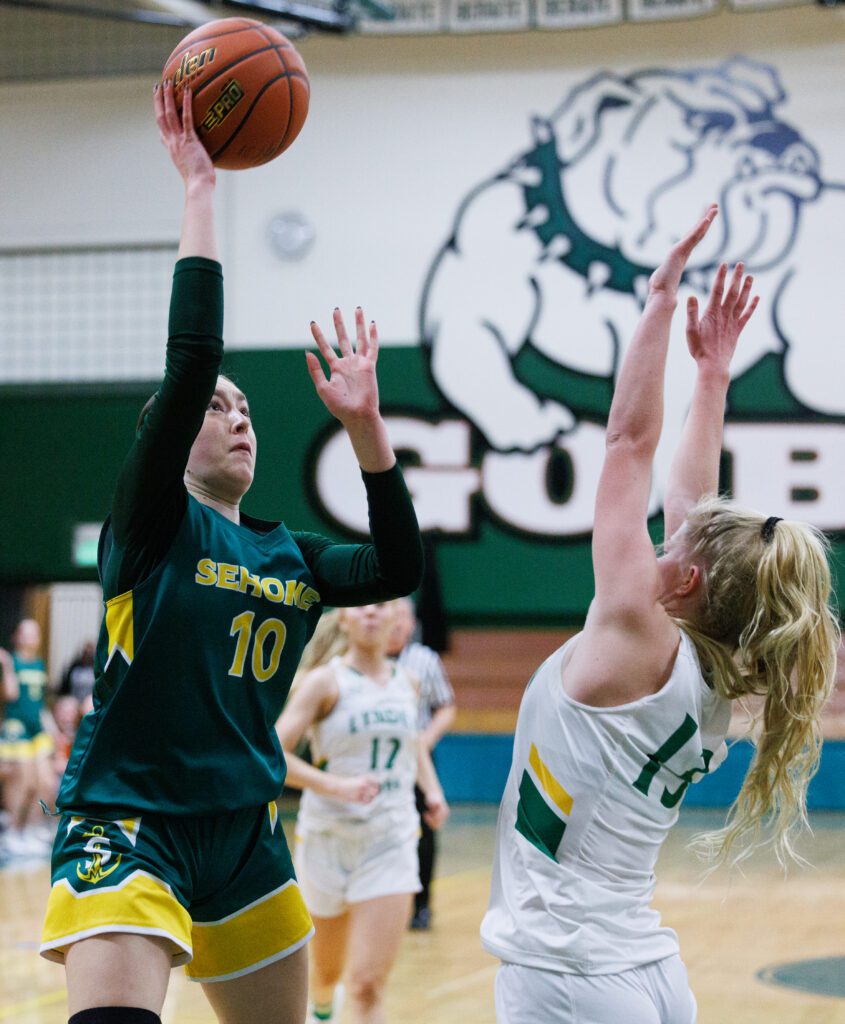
130, 827
140, 903
120, 626
551, 786
260, 933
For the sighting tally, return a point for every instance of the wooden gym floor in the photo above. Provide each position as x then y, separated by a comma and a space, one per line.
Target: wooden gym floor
732, 930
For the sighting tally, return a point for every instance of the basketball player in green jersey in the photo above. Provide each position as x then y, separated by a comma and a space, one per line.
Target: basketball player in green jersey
169, 849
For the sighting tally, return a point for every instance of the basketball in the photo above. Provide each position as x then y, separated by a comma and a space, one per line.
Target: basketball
250, 90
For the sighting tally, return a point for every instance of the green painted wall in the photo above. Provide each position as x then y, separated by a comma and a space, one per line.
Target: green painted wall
61, 446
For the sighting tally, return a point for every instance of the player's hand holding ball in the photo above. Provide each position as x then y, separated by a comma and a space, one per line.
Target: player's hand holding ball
179, 137
248, 89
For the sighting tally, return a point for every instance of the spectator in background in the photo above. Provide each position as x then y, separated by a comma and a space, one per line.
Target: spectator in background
78, 680
436, 715
67, 714
26, 745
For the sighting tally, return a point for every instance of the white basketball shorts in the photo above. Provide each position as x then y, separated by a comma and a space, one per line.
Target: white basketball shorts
655, 993
335, 869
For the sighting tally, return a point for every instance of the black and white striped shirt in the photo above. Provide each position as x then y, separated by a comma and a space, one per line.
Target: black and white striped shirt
435, 689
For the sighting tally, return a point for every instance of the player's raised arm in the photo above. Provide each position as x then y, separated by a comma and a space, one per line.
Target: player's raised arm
623, 555
198, 235
150, 496
392, 565
712, 340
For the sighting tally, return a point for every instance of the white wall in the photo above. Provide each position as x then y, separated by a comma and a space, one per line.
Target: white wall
399, 130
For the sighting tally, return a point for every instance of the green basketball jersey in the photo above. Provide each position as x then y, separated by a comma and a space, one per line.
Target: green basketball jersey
197, 662
205, 619
32, 681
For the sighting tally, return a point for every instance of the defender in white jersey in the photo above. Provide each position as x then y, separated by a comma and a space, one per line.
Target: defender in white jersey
616, 724
370, 731
357, 828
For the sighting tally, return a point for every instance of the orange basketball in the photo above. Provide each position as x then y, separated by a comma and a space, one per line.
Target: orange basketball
250, 89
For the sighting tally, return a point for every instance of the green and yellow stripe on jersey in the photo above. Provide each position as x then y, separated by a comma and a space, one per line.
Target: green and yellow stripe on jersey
544, 805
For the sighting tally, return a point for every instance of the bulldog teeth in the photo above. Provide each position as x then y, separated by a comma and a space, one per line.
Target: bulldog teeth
536, 216
529, 177
559, 246
541, 130
641, 288
598, 273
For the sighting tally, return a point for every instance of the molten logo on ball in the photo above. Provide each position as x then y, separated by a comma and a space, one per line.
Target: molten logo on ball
241, 63
189, 65
219, 110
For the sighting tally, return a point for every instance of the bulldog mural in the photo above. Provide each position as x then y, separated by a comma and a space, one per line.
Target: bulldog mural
554, 253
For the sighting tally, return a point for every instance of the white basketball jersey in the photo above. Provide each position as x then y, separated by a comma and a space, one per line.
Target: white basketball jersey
591, 795
371, 729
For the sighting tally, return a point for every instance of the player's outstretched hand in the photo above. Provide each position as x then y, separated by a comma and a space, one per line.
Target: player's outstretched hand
667, 277
436, 811
350, 391
178, 136
712, 338
357, 789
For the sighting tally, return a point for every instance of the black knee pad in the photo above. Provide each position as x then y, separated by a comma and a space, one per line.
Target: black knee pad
115, 1015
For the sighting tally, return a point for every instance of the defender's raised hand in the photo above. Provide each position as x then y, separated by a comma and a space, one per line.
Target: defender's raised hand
713, 337
667, 277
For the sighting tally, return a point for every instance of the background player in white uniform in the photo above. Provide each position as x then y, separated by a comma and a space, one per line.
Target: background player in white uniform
357, 829
616, 724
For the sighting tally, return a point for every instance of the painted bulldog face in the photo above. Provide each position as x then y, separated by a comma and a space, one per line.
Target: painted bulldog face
660, 143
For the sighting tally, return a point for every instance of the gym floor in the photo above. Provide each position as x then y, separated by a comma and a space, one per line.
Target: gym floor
760, 949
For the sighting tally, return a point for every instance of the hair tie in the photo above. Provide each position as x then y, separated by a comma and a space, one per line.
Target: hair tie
768, 530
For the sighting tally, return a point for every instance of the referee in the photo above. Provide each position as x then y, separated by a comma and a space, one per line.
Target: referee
436, 714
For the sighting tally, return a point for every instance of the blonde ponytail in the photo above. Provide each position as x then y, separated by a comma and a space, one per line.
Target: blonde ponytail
767, 628
327, 641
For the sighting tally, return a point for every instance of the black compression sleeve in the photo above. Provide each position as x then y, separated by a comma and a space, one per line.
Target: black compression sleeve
150, 497
391, 566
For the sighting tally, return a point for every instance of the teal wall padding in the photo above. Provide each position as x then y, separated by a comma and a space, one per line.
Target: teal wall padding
473, 767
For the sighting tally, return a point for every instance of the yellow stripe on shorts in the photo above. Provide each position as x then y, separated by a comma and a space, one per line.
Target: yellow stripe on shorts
257, 935
140, 904
551, 786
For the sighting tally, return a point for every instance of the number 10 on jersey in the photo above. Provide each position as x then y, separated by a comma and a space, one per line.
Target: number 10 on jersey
264, 664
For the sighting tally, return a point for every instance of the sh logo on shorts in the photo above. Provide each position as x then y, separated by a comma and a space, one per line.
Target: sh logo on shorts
99, 846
